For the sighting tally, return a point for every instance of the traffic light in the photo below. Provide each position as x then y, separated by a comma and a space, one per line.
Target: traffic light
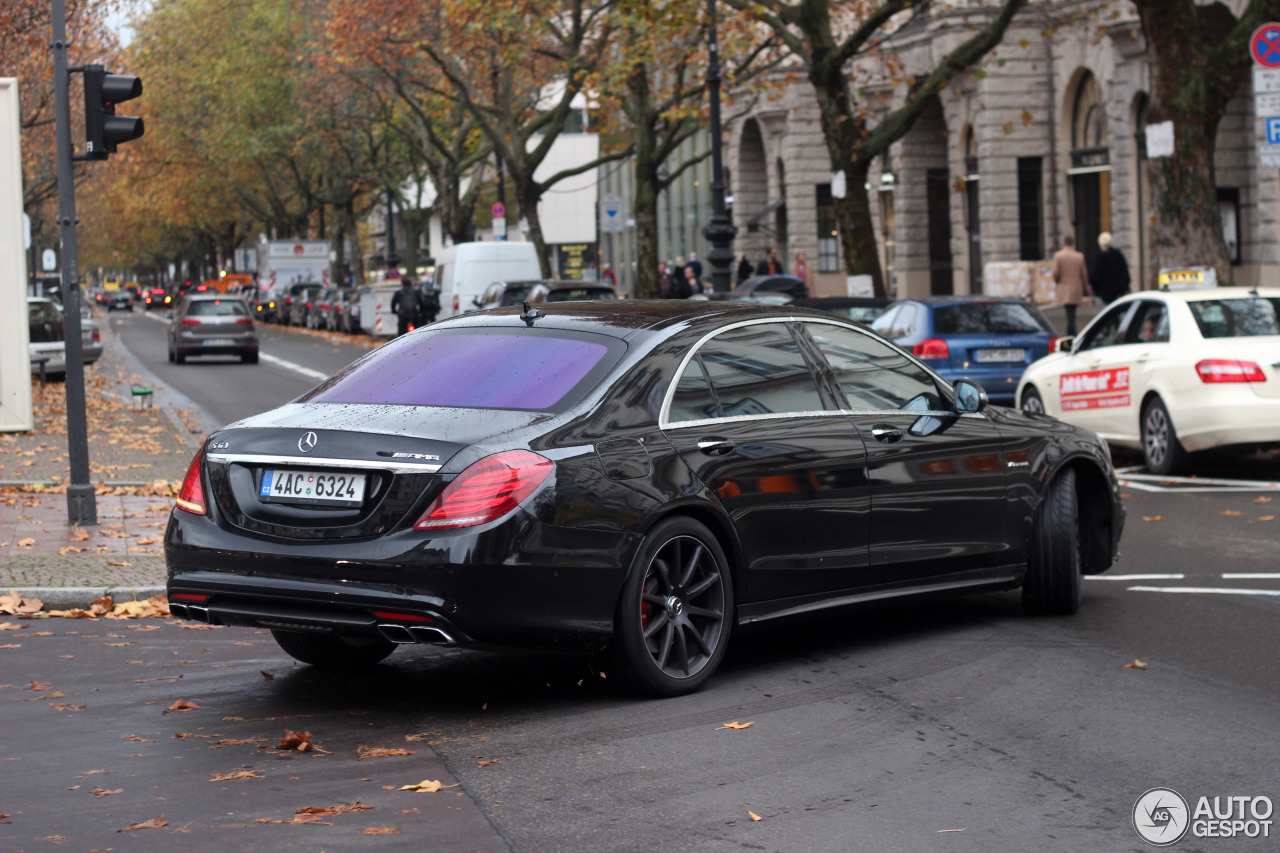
104, 130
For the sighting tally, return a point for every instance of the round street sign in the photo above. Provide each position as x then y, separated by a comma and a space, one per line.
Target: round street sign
499, 210
1264, 45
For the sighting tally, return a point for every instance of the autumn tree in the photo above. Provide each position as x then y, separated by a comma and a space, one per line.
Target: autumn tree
518, 66
1198, 58
826, 38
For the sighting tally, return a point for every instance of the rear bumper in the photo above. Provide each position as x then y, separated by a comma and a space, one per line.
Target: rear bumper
1245, 420
518, 583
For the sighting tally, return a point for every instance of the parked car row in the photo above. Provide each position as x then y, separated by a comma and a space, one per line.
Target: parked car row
46, 336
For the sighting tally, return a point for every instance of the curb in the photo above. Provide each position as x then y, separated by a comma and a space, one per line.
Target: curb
73, 597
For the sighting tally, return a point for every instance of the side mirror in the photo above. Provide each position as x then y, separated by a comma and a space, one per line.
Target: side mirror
1064, 344
970, 397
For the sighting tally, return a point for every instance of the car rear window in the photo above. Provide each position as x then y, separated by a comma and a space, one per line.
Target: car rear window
1237, 318
216, 308
476, 369
580, 293
979, 318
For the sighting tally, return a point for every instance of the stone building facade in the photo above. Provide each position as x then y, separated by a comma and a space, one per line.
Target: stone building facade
1047, 140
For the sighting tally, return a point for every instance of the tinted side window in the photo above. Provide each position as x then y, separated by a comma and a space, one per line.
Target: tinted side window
1105, 330
874, 375
758, 370
693, 399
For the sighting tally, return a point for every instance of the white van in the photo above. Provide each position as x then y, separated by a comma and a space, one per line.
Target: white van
465, 270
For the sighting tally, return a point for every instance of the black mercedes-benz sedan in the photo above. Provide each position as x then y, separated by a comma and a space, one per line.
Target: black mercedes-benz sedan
632, 478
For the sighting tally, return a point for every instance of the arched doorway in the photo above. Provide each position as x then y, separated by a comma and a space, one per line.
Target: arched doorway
972, 211
1090, 172
751, 192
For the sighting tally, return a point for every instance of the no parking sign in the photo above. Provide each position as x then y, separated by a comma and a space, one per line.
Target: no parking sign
1264, 45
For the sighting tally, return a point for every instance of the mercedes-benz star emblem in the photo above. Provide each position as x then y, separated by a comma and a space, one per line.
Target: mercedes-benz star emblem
307, 443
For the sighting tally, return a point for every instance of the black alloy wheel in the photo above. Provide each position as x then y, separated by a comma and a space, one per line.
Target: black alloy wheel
329, 652
1031, 401
1053, 583
1161, 449
674, 617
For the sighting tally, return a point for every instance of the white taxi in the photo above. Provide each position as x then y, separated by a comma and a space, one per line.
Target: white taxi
1170, 372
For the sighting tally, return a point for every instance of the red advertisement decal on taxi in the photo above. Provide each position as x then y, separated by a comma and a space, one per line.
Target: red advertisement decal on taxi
1094, 382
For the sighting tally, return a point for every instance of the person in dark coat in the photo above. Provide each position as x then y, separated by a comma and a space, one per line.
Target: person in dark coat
770, 265
744, 269
406, 303
1110, 278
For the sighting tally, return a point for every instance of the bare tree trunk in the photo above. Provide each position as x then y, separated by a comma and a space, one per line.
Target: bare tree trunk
527, 195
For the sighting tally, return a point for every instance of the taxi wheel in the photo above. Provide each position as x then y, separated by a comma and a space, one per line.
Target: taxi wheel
1031, 402
1053, 581
1161, 449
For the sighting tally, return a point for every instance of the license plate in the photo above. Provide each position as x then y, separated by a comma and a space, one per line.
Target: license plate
321, 488
989, 355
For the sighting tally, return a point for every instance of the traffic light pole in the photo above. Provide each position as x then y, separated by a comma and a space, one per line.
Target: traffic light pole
81, 503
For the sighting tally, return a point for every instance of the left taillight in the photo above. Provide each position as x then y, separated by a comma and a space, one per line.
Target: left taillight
1217, 370
191, 495
932, 348
487, 490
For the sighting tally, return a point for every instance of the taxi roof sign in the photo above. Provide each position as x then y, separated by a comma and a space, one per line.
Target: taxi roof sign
1177, 278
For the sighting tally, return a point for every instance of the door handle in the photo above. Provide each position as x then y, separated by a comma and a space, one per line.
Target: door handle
886, 433
714, 446
1142, 359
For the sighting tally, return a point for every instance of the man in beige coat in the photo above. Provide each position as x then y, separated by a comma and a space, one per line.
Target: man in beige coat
1071, 277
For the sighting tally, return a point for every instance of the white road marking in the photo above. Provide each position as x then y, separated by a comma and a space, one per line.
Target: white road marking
270, 359
1251, 575
1136, 577
296, 368
1207, 590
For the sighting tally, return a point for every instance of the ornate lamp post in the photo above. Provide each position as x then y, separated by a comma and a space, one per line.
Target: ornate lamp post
719, 231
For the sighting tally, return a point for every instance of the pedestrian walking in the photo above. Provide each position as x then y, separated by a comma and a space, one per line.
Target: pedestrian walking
1071, 280
1110, 276
770, 265
666, 283
802, 271
692, 285
744, 268
697, 269
406, 304
609, 276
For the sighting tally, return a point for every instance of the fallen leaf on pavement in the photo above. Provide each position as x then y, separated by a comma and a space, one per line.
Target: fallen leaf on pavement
135, 737
382, 751
105, 792
238, 773
1262, 500
753, 815
120, 564
328, 811
79, 534
11, 626
11, 646
1266, 518
39, 685
181, 705
26, 543
16, 605
62, 552
1153, 518
380, 830
427, 786
1137, 664
300, 742
58, 707
950, 830
735, 725
266, 675
155, 823
487, 762
1232, 512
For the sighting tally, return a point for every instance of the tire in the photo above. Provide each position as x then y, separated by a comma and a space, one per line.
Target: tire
1161, 449
329, 652
171, 356
1032, 402
180, 357
673, 620
1053, 581
249, 358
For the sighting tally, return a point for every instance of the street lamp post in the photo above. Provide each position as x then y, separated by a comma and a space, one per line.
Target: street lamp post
719, 231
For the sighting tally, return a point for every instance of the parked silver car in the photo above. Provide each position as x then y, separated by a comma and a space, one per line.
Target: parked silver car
212, 323
46, 331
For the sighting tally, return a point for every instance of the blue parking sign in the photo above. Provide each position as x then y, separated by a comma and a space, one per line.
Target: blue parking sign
1273, 130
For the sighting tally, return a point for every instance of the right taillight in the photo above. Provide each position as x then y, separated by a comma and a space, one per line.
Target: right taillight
933, 348
487, 490
191, 495
1216, 370
189, 321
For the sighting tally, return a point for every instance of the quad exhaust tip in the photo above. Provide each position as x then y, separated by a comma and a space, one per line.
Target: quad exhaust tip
417, 634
